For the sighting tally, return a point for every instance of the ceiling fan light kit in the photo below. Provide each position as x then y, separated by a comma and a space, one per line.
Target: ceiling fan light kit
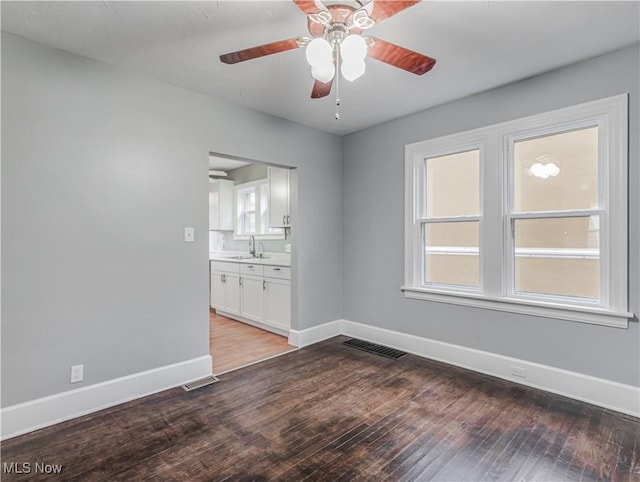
336, 41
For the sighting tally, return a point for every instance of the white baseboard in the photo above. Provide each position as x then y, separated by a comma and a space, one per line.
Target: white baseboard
315, 334
597, 391
35, 414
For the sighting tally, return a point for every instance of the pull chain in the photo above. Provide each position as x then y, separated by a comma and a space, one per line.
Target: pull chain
337, 97
337, 77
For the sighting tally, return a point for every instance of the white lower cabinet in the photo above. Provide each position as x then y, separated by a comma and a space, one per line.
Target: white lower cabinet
225, 287
251, 297
256, 294
277, 303
232, 293
217, 290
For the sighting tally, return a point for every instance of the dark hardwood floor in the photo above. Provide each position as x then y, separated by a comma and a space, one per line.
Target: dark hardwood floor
331, 412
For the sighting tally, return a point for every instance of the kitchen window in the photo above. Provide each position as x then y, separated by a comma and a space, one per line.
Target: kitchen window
252, 215
528, 216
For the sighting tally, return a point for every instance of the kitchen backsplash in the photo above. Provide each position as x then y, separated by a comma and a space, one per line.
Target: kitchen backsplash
223, 241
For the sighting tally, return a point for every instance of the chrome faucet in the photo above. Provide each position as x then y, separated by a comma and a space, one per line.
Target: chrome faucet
252, 246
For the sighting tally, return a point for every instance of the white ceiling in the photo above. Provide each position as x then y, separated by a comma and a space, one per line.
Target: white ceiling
478, 45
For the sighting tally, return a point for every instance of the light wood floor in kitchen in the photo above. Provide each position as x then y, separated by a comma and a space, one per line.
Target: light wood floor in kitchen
234, 344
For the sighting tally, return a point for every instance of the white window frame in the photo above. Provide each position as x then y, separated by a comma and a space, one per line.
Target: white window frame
242, 212
445, 148
496, 217
601, 210
272, 233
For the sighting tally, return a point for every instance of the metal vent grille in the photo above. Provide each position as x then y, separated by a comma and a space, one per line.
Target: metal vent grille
201, 382
374, 348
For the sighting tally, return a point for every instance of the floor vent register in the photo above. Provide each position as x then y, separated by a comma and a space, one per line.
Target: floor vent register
201, 382
375, 348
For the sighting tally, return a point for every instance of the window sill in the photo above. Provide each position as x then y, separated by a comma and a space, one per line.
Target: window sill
597, 316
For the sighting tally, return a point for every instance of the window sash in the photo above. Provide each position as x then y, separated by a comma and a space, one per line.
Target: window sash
242, 193
458, 250
419, 218
550, 129
512, 252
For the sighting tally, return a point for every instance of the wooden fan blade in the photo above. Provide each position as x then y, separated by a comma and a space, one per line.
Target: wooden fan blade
400, 57
260, 51
320, 89
307, 6
383, 9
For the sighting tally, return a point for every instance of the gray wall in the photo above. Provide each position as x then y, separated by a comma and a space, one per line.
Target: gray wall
101, 170
373, 227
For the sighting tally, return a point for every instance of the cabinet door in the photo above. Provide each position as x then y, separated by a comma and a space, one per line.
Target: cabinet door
232, 293
217, 290
252, 298
214, 202
225, 204
279, 213
221, 204
278, 303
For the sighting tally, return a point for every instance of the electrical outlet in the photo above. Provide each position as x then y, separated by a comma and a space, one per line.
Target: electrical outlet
188, 235
77, 373
287, 248
519, 372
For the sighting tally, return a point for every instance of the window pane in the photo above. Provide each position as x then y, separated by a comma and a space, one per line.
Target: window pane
250, 200
557, 172
558, 256
451, 253
453, 184
249, 223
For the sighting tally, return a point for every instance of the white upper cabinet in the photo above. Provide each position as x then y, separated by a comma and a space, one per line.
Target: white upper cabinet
221, 205
279, 198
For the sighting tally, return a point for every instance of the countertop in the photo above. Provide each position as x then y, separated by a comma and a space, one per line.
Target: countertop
271, 259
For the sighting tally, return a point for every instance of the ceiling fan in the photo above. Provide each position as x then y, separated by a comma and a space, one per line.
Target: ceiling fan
336, 40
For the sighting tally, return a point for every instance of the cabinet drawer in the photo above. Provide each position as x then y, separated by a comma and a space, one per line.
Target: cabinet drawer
282, 272
255, 269
225, 266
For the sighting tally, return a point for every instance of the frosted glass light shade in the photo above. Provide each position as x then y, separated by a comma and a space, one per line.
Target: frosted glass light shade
353, 47
319, 52
351, 70
324, 73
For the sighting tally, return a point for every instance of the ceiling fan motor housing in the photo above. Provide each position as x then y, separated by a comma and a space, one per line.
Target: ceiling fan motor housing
340, 19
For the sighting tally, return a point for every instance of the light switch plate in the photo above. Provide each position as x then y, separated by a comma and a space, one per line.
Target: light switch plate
188, 235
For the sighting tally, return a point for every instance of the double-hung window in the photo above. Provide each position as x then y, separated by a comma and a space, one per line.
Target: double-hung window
246, 222
528, 216
252, 215
450, 219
